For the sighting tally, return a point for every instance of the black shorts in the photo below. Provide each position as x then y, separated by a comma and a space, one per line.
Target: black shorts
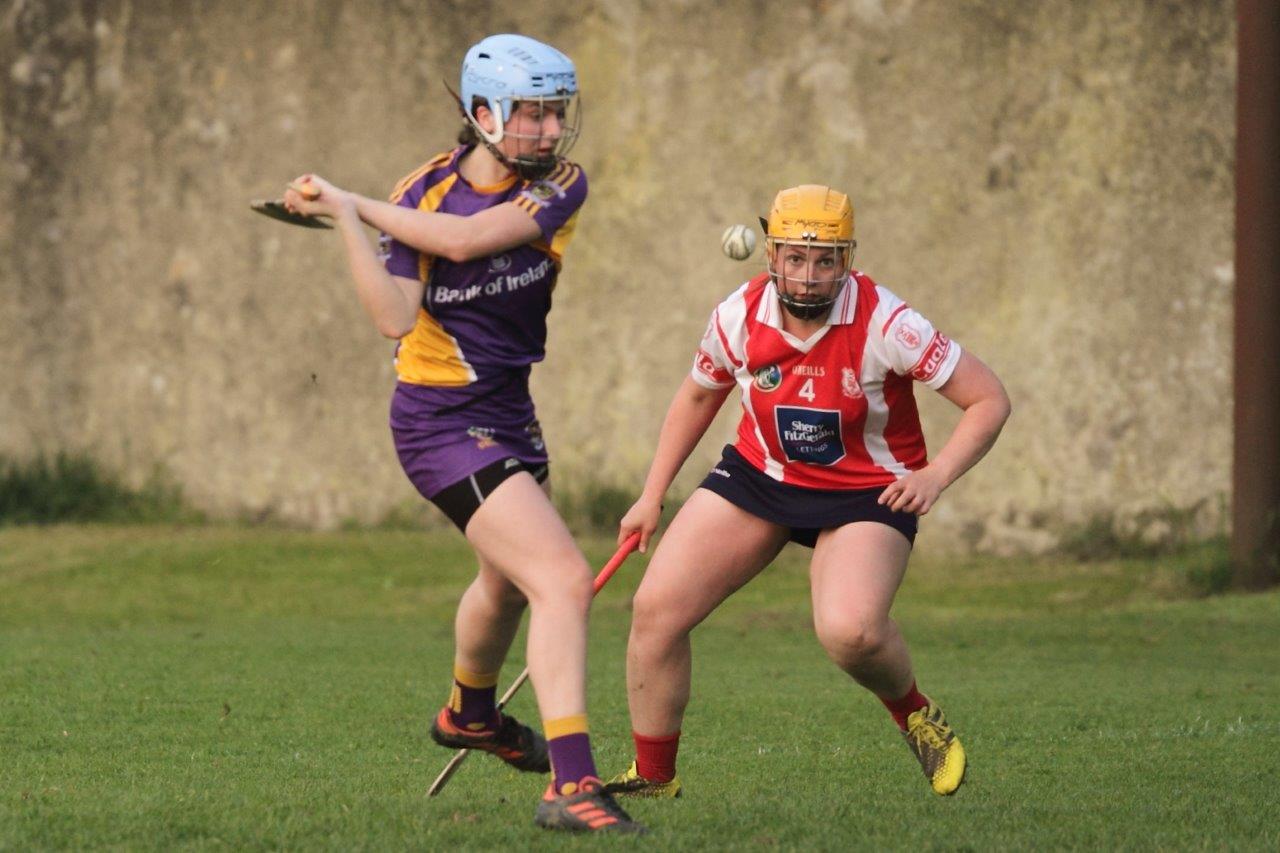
460, 500
806, 511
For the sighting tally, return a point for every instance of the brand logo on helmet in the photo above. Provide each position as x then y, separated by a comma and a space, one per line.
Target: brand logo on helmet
768, 378
481, 80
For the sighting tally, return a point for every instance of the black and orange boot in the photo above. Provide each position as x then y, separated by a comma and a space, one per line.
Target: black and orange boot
587, 808
512, 741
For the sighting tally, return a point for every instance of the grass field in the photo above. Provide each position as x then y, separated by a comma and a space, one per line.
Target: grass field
215, 687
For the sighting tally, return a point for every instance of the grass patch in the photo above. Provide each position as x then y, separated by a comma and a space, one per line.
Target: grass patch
216, 687
68, 487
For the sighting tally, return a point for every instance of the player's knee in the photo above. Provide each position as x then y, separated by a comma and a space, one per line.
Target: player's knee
510, 600
564, 584
655, 617
505, 595
850, 641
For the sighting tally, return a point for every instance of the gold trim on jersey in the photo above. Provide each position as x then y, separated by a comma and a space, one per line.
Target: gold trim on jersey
431, 356
528, 200
501, 186
430, 202
436, 162
559, 240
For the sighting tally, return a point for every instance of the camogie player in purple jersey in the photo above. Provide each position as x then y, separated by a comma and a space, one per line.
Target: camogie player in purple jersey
471, 248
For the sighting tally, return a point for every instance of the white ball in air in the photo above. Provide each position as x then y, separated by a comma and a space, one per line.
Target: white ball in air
738, 242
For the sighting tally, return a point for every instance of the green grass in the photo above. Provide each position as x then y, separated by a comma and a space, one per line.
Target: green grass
221, 687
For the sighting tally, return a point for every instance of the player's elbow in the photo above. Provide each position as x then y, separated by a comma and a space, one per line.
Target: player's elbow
1003, 404
462, 247
999, 406
395, 328
459, 251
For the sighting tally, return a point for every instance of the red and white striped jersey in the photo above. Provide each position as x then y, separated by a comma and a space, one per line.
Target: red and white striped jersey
835, 411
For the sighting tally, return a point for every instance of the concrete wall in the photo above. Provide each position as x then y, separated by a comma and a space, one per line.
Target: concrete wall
1051, 183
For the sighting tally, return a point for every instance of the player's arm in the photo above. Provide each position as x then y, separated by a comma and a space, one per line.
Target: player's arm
447, 235
976, 389
444, 235
691, 412
391, 301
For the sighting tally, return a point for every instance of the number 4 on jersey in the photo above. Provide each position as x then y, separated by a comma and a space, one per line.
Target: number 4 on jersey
806, 390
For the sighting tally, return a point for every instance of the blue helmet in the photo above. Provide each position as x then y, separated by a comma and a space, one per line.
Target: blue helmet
503, 70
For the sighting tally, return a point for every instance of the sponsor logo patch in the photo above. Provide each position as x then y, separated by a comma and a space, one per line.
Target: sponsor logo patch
768, 378
810, 435
545, 190
908, 336
483, 436
933, 358
542, 191
706, 366
534, 432
500, 263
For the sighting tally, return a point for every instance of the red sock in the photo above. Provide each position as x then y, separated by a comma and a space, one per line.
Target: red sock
903, 708
656, 756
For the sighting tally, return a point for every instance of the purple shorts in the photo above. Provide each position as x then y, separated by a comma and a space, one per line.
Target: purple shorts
439, 447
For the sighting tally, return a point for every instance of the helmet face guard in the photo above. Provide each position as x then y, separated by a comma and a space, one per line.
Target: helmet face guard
813, 223
505, 72
533, 164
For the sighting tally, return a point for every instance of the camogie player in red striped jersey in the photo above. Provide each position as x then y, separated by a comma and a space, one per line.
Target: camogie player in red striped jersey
829, 454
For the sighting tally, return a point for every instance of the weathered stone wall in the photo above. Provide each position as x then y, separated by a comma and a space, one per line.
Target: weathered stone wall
1051, 183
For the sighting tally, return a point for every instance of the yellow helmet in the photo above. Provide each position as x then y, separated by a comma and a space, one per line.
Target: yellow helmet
810, 216
811, 213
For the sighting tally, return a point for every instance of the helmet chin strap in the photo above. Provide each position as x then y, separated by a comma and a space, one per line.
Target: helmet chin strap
806, 310
528, 170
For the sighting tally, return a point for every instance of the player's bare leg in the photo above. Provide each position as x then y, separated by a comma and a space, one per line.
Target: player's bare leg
710, 550
488, 617
855, 573
518, 533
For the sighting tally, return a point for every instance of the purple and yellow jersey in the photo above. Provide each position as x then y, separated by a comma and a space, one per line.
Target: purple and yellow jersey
484, 319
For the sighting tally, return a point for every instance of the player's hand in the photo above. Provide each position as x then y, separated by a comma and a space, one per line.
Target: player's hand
915, 493
312, 195
643, 517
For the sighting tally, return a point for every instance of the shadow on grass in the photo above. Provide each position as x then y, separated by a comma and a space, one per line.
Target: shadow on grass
74, 488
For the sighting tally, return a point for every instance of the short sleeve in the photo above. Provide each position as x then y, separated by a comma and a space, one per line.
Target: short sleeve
399, 258
712, 367
553, 200
918, 350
